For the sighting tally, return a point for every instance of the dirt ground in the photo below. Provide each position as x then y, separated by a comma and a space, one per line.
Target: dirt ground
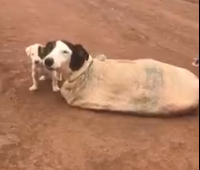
38, 131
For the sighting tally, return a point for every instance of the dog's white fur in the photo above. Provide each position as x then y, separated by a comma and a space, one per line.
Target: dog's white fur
38, 71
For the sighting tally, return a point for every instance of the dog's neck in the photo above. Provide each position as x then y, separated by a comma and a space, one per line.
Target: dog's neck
75, 74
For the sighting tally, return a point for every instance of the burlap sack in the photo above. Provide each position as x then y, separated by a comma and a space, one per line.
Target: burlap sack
144, 87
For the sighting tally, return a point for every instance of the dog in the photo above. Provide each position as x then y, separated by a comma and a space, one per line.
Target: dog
143, 86
37, 53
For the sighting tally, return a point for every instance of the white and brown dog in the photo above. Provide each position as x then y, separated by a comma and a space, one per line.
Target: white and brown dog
37, 53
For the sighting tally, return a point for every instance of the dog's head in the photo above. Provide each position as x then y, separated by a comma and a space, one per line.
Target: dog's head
33, 52
65, 52
37, 52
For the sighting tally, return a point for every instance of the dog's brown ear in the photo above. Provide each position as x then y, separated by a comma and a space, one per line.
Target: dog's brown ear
78, 58
42, 52
49, 47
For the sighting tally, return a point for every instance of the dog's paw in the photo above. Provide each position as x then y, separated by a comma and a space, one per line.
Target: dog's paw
33, 88
42, 78
56, 89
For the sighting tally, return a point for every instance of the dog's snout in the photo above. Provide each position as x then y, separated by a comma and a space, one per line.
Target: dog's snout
37, 61
49, 62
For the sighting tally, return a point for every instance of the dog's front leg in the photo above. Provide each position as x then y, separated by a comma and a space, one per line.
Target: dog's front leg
35, 78
54, 81
59, 76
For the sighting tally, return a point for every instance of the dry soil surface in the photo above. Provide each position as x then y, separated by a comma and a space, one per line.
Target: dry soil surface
38, 131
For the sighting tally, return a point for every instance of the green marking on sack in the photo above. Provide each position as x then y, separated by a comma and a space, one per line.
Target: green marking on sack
153, 84
154, 78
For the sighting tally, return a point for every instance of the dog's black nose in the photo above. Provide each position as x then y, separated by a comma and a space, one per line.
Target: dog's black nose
37, 61
49, 62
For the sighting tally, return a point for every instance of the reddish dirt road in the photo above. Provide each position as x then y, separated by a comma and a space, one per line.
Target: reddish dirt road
38, 131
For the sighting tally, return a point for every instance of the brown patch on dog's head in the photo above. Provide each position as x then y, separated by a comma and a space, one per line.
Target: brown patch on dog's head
79, 55
41, 52
49, 47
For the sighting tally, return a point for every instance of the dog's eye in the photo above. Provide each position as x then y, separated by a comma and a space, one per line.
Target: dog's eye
65, 52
